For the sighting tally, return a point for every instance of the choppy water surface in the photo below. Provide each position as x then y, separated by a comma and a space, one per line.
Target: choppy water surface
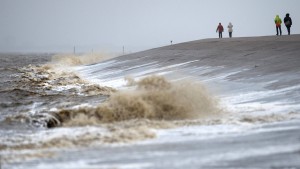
69, 111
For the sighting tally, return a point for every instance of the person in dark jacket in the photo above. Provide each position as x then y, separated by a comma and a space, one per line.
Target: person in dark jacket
220, 29
230, 30
288, 23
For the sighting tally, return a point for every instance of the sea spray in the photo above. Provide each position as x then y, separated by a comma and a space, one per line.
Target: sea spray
154, 98
83, 59
126, 116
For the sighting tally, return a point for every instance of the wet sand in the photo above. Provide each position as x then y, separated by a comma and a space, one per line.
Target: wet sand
260, 55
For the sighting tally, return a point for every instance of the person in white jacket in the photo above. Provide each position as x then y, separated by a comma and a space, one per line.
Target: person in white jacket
230, 30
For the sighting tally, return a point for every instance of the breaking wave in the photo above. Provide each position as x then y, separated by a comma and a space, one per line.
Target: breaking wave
117, 117
126, 116
35, 89
154, 98
51, 77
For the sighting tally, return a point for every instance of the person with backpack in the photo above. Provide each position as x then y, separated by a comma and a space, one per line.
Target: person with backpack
230, 30
220, 29
278, 24
288, 23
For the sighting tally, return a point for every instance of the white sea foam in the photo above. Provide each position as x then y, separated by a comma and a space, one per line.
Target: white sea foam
89, 164
115, 78
240, 99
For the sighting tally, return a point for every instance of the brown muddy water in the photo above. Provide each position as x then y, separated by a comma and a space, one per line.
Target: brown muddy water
42, 91
53, 116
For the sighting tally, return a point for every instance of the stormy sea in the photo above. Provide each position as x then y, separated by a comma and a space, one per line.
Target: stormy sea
229, 103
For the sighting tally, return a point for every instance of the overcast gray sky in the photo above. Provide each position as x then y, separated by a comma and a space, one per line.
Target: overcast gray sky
107, 25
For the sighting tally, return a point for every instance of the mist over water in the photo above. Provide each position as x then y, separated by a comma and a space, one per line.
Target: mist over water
82, 59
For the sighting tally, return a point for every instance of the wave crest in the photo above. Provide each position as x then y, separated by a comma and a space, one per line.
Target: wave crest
154, 98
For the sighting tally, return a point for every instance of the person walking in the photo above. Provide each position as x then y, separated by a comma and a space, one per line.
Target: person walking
220, 29
288, 23
230, 30
278, 24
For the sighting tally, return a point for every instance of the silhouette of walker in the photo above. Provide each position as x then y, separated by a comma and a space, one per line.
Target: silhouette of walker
278, 22
288, 23
220, 29
230, 30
